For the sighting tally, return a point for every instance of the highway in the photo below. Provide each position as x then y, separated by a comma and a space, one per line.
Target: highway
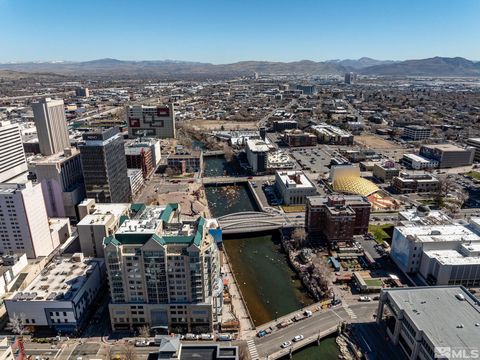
320, 321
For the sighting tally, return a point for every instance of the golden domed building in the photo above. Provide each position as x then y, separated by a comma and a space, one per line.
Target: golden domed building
355, 185
346, 179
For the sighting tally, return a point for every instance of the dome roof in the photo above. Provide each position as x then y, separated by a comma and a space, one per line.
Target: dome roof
354, 185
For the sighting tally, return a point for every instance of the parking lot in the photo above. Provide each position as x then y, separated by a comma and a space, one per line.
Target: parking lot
311, 159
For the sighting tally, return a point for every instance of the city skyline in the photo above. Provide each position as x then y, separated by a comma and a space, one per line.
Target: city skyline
219, 33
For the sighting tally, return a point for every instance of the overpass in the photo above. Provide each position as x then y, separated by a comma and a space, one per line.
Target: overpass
252, 221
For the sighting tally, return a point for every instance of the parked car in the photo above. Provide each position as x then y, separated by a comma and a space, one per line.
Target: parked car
298, 338
308, 313
191, 337
141, 343
224, 337
286, 344
261, 333
207, 337
365, 298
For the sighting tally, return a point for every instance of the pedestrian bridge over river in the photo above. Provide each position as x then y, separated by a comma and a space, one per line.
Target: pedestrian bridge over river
252, 221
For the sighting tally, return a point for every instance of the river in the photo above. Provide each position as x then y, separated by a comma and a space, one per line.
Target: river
268, 284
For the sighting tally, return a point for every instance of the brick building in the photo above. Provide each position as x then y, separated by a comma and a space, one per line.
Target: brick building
337, 218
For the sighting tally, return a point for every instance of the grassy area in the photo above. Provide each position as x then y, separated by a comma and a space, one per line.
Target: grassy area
293, 208
379, 233
474, 175
373, 282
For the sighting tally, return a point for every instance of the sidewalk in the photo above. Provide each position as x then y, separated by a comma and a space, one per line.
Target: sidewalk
247, 329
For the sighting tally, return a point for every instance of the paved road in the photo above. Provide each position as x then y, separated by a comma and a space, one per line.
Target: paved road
319, 322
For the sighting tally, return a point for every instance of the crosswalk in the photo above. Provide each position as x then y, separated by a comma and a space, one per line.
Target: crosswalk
252, 349
349, 311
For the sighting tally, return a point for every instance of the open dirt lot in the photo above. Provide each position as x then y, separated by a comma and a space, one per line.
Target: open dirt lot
375, 142
210, 125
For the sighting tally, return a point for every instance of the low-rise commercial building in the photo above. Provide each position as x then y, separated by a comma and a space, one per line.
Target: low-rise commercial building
475, 143
385, 171
281, 125
337, 218
293, 187
412, 183
60, 297
295, 138
417, 162
329, 134
417, 132
431, 322
186, 161
448, 155
164, 271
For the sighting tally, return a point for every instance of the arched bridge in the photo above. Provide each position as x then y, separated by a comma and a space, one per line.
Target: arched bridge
252, 221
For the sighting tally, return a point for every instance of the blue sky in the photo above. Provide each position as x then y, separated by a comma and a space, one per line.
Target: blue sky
235, 30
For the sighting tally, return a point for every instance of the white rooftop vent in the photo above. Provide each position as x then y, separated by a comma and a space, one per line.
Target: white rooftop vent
460, 297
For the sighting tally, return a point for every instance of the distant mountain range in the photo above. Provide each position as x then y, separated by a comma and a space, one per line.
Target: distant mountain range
437, 66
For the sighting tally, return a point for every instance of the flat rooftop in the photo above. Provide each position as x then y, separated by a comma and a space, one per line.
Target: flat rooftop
258, 146
445, 147
295, 179
103, 213
55, 158
437, 312
417, 158
452, 257
61, 280
439, 233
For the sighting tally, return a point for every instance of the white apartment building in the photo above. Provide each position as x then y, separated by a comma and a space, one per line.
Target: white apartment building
294, 187
97, 222
417, 162
12, 155
51, 124
62, 182
24, 226
164, 271
60, 296
151, 121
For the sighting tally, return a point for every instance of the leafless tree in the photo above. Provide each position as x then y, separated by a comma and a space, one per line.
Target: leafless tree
298, 237
17, 324
144, 331
128, 351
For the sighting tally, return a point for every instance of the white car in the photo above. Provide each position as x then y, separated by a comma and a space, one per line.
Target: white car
298, 338
286, 344
142, 343
365, 298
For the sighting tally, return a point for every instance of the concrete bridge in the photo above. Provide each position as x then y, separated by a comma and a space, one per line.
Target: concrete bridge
213, 153
321, 324
224, 180
252, 221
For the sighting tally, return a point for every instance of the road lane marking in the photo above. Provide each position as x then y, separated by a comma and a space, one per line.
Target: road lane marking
252, 349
